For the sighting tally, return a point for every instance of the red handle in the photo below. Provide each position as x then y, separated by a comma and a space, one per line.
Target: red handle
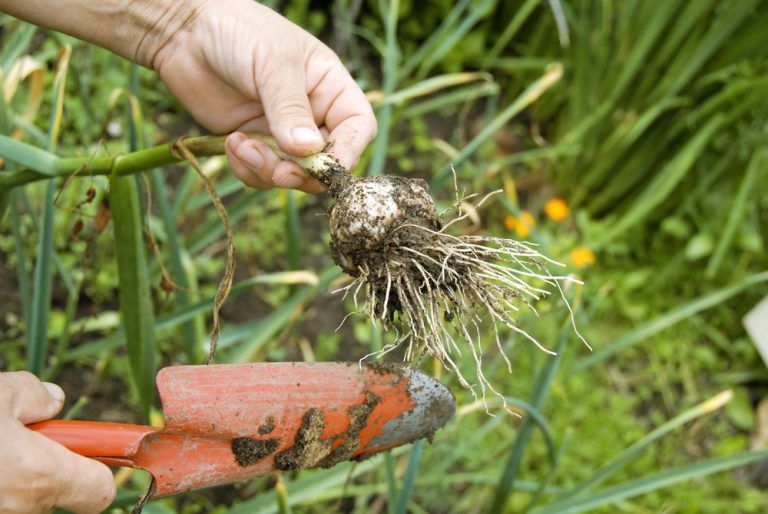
95, 438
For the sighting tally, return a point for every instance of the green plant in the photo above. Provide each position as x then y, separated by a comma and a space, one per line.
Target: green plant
648, 120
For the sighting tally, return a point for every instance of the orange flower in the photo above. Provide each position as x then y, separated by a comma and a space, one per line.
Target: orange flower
556, 209
582, 257
522, 225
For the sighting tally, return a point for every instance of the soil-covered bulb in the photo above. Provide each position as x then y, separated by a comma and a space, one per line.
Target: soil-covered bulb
372, 214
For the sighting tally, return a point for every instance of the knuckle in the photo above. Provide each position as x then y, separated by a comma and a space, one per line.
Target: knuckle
292, 106
25, 378
6, 395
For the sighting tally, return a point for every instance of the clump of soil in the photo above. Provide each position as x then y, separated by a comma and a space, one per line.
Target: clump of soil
268, 426
248, 450
309, 447
310, 450
350, 439
386, 368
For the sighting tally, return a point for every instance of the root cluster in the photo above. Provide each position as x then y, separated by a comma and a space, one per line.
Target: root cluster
436, 291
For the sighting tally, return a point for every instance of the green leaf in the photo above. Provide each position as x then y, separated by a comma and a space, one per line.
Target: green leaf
758, 164
5, 202
251, 337
740, 411
37, 335
664, 182
37, 341
627, 456
17, 43
530, 95
313, 484
410, 477
668, 319
135, 293
653, 482
525, 431
28, 156
699, 246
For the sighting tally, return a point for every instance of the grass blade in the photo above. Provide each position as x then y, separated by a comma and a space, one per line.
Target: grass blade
653, 482
410, 477
134, 290
626, 457
188, 330
390, 65
758, 163
664, 182
539, 394
428, 87
17, 44
513, 26
561, 22
135, 293
37, 341
258, 333
531, 94
175, 319
312, 485
389, 462
429, 46
25, 289
27, 156
478, 11
668, 319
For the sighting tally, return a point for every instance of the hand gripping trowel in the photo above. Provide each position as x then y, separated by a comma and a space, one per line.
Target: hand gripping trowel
230, 422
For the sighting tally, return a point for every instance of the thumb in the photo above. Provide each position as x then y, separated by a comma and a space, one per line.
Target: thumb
289, 114
27, 398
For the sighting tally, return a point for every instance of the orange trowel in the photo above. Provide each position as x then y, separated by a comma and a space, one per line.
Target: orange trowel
230, 422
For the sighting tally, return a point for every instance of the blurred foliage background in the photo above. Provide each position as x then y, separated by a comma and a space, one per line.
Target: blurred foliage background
630, 140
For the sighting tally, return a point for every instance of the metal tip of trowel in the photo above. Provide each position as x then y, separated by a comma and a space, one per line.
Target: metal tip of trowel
434, 407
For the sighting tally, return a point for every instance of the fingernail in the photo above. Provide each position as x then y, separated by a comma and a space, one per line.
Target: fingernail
306, 137
55, 391
234, 140
251, 157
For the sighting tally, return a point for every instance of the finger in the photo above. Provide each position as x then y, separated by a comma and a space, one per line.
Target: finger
289, 175
258, 124
283, 92
29, 399
81, 485
350, 139
346, 112
248, 172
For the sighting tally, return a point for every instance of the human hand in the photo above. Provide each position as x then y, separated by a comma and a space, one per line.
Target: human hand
238, 66
37, 474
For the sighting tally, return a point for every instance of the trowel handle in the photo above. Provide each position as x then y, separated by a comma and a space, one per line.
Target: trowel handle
95, 438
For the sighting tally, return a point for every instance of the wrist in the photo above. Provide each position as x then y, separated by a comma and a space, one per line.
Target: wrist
134, 29
153, 24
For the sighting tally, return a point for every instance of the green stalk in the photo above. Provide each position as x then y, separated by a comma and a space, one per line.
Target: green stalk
135, 292
42, 291
410, 477
189, 334
390, 71
46, 165
389, 462
43, 285
540, 391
